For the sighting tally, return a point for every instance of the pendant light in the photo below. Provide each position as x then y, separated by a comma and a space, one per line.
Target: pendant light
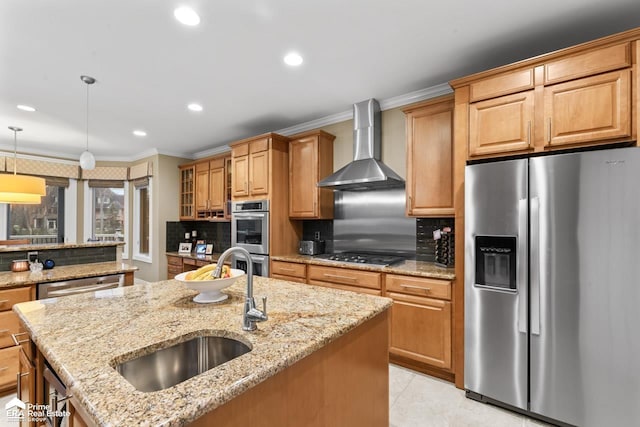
87, 161
20, 189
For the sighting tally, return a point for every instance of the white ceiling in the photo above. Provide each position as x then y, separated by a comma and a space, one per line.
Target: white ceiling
149, 66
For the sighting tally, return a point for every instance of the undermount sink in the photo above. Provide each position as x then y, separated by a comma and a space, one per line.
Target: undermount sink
169, 366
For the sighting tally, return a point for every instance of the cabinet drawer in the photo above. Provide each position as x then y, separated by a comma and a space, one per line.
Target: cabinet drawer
346, 287
9, 324
189, 261
502, 84
344, 276
9, 297
9, 365
589, 63
288, 278
419, 286
174, 269
174, 260
289, 269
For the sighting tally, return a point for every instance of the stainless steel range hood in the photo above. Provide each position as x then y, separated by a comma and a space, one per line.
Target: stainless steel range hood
366, 171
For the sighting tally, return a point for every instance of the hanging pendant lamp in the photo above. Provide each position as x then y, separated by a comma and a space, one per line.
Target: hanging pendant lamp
87, 161
20, 189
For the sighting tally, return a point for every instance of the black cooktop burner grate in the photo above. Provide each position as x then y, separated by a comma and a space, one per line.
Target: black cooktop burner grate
363, 258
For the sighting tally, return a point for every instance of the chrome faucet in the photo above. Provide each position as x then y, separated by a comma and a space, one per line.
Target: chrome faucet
250, 314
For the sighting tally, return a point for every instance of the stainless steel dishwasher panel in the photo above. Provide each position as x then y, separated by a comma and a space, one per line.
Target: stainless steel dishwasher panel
78, 286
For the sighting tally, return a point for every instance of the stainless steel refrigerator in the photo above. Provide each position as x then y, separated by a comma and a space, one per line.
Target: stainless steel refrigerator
552, 285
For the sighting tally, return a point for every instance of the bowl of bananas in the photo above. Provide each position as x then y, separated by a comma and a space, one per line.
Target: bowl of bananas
209, 288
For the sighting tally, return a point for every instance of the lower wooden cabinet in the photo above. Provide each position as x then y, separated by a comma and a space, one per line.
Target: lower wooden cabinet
290, 271
27, 379
174, 266
9, 365
421, 329
421, 319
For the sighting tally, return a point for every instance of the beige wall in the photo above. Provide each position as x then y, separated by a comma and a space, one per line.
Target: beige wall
393, 141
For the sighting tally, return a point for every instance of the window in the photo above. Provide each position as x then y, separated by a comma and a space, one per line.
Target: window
142, 219
39, 223
106, 207
107, 214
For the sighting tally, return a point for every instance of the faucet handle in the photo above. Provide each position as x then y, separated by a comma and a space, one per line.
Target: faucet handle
264, 305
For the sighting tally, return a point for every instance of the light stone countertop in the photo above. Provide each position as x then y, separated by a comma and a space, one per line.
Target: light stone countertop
84, 336
50, 246
409, 267
9, 279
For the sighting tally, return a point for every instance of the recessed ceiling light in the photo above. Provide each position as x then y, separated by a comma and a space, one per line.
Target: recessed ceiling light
194, 107
26, 108
139, 133
293, 59
186, 16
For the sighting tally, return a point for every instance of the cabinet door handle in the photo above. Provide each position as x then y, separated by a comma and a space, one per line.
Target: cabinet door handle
420, 288
286, 269
4, 301
337, 276
410, 202
19, 376
4, 368
549, 130
15, 339
529, 132
3, 331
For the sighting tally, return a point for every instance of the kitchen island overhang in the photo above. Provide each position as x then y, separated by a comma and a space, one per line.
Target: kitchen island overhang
337, 340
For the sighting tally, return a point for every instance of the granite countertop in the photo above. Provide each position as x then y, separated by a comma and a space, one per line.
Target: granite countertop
409, 267
83, 336
48, 246
209, 258
9, 279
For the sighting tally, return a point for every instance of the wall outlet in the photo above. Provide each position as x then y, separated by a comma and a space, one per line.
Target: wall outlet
32, 256
316, 235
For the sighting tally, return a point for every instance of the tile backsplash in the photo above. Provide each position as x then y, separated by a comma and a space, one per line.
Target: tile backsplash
64, 256
324, 227
218, 233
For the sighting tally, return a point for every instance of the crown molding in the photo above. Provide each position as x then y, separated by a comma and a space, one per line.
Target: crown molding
385, 104
211, 151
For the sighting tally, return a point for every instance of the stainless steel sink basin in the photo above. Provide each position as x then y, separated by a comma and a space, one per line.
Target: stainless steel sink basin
169, 366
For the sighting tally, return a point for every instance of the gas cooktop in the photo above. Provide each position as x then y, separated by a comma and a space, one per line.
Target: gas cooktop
362, 258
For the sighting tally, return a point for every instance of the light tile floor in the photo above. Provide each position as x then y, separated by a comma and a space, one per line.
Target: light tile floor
417, 400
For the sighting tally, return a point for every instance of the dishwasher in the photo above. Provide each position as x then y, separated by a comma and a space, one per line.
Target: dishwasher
78, 286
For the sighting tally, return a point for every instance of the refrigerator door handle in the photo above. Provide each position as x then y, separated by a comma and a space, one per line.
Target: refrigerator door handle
522, 266
535, 266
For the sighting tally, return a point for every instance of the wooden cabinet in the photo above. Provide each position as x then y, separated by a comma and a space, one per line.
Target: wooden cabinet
27, 390
291, 271
420, 324
211, 180
501, 125
10, 325
429, 130
345, 278
588, 109
310, 160
187, 198
174, 266
250, 168
576, 97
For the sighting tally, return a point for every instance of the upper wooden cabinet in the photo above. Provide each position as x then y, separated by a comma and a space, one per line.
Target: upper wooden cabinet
211, 180
429, 128
574, 97
187, 199
310, 160
251, 166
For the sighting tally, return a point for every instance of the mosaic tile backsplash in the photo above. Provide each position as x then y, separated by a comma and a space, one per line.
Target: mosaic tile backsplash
218, 233
68, 256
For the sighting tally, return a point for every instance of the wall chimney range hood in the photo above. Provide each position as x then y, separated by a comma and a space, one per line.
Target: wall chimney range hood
366, 171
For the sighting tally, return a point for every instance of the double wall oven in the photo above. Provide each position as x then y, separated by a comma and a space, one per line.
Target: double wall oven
250, 230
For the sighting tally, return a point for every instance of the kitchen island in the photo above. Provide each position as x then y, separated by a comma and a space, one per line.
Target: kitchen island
320, 359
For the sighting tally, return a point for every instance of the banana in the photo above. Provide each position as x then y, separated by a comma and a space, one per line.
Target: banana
193, 275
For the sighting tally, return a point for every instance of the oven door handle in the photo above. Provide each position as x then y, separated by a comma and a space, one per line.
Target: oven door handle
250, 216
80, 289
